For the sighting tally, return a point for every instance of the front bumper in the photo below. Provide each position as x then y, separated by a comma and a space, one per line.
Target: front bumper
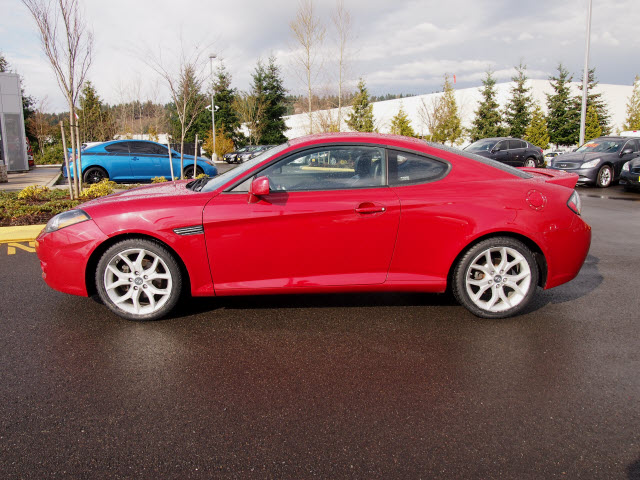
586, 176
630, 179
64, 255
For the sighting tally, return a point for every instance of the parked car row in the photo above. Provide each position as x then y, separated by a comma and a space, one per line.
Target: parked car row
245, 153
136, 161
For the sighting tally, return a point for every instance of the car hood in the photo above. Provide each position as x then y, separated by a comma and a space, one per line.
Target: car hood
155, 190
578, 157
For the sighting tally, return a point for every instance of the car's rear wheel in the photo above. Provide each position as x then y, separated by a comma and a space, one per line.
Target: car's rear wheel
496, 278
139, 279
605, 176
94, 175
530, 162
188, 171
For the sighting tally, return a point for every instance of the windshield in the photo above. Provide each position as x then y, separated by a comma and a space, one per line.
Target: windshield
601, 146
217, 182
484, 145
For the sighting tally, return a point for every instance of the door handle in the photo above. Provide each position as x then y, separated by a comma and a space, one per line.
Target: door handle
368, 208
134, 159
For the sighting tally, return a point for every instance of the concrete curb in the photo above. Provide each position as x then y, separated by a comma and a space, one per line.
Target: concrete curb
54, 180
26, 233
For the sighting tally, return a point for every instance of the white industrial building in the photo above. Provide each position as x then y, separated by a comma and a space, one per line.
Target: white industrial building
616, 97
13, 151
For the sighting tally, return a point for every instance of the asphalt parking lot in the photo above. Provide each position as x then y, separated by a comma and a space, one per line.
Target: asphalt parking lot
330, 386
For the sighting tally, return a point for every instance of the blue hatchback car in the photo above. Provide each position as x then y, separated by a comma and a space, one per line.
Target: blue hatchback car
136, 161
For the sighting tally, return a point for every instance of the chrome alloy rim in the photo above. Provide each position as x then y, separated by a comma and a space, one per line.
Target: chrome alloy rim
605, 176
498, 279
530, 163
138, 281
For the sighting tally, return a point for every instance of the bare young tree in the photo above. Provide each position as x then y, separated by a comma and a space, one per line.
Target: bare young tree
309, 34
185, 84
250, 109
430, 113
341, 19
68, 45
42, 128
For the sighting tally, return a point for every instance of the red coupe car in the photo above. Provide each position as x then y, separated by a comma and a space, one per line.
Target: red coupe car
327, 213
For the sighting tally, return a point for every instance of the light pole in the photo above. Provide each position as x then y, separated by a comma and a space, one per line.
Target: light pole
214, 156
585, 77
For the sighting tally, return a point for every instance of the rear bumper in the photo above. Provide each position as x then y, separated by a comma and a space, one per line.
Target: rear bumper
568, 251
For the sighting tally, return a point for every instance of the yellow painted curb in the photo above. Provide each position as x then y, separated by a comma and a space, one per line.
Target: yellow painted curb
27, 233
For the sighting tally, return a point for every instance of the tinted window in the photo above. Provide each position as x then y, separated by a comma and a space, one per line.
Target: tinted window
329, 168
142, 148
513, 144
408, 168
484, 145
631, 144
120, 147
504, 145
158, 149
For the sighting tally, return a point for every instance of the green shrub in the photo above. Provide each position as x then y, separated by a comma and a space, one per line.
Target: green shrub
158, 180
202, 175
33, 192
100, 189
52, 154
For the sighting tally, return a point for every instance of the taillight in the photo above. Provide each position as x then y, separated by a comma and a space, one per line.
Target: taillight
574, 203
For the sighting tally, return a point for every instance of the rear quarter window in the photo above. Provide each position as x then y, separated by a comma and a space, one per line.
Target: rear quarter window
406, 168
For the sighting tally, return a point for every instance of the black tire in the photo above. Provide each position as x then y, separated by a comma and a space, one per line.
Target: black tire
94, 175
147, 304
188, 171
605, 177
497, 284
530, 162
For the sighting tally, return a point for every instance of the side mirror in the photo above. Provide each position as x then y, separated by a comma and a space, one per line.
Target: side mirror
626, 151
258, 188
495, 149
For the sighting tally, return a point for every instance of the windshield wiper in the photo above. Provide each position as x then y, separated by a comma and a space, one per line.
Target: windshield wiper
198, 183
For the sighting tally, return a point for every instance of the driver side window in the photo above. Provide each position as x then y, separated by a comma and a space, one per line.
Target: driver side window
333, 168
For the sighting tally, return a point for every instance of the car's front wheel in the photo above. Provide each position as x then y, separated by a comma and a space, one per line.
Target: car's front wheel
496, 278
139, 279
605, 176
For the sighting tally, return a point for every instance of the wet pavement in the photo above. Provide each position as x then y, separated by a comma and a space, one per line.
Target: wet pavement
330, 386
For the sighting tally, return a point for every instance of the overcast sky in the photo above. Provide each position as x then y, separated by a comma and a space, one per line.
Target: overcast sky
397, 46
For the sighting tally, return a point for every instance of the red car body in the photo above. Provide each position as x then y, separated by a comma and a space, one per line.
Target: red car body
406, 237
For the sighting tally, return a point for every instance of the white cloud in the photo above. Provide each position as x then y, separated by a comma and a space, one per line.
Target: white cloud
405, 45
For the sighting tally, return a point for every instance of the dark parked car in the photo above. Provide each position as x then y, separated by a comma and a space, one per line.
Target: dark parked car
630, 175
232, 157
599, 161
511, 151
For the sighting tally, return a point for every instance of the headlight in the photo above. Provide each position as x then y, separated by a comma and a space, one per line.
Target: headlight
590, 163
625, 167
66, 219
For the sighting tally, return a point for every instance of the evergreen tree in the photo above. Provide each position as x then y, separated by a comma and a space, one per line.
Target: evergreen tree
595, 99
225, 116
563, 117
537, 132
401, 125
633, 108
95, 121
268, 86
4, 65
517, 111
449, 126
592, 124
192, 100
361, 117
487, 122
